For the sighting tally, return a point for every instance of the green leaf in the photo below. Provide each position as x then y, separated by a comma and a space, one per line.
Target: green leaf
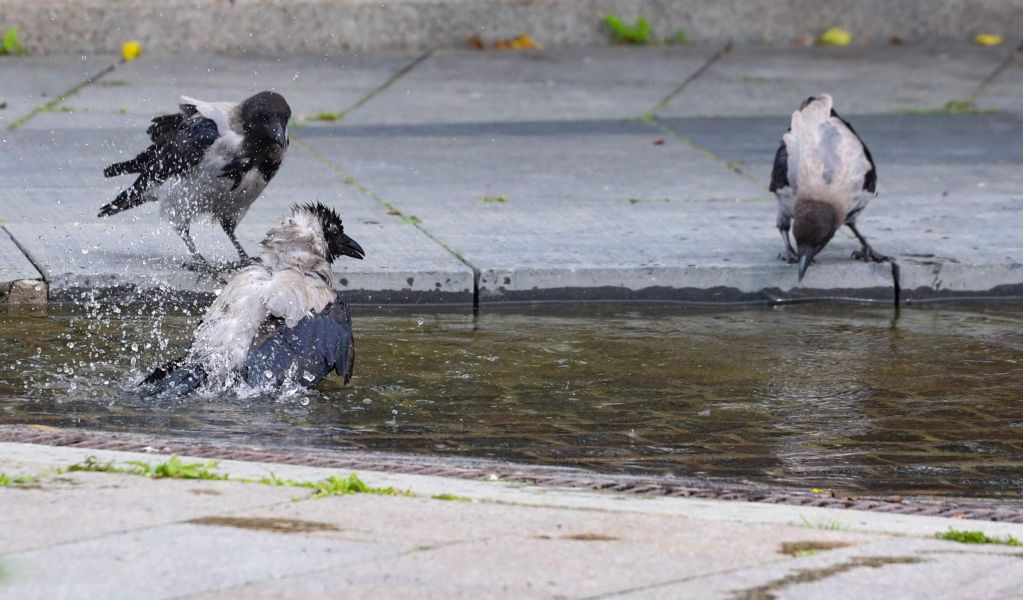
11, 45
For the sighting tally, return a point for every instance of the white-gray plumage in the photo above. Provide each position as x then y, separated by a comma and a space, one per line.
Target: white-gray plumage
823, 177
272, 317
210, 158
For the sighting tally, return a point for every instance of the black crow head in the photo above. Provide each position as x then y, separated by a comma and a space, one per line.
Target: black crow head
265, 119
338, 244
814, 224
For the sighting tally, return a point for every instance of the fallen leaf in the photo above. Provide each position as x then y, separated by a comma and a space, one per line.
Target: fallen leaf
659, 142
835, 36
988, 39
476, 42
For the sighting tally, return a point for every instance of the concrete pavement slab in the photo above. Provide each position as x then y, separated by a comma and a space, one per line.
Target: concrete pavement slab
614, 207
115, 504
517, 540
173, 560
1004, 92
14, 265
894, 568
51, 191
312, 84
31, 81
752, 81
949, 186
563, 84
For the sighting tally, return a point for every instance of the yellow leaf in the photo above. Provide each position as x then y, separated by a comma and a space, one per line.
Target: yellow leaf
131, 50
835, 36
988, 39
815, 490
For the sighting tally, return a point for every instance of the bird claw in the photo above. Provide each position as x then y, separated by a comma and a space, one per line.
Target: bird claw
868, 254
242, 263
204, 269
789, 257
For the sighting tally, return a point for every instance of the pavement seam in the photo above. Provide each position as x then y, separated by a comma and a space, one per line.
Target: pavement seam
60, 98
25, 253
351, 181
1002, 66
650, 115
142, 528
391, 80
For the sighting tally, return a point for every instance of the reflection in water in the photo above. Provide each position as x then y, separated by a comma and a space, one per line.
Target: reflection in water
842, 397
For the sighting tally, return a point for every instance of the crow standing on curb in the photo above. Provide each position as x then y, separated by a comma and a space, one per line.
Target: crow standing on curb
210, 158
277, 321
823, 177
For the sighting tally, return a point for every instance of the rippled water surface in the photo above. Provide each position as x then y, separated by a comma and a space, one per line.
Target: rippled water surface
847, 397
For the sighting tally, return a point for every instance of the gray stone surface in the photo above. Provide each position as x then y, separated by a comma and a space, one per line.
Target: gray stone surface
752, 81
318, 26
173, 560
312, 84
903, 568
13, 264
500, 87
32, 81
96, 535
529, 168
51, 190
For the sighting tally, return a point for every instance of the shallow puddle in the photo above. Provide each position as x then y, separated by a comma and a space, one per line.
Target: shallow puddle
843, 397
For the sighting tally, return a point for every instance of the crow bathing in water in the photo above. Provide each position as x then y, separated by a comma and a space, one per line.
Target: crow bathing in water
823, 177
276, 321
210, 158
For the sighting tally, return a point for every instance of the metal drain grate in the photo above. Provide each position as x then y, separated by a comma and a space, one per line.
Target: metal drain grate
965, 508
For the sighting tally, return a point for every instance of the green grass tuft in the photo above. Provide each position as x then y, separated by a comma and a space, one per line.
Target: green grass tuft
173, 468
451, 498
10, 44
497, 199
976, 537
327, 117
638, 33
679, 37
9, 480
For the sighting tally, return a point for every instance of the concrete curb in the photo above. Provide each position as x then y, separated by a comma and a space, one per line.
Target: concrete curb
543, 496
324, 26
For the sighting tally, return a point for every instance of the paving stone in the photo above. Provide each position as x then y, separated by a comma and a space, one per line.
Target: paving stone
563, 84
904, 568
510, 551
50, 201
879, 79
153, 85
31, 81
587, 205
114, 504
14, 266
1004, 93
174, 560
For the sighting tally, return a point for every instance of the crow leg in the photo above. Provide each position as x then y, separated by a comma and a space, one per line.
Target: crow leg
788, 254
866, 253
198, 263
244, 260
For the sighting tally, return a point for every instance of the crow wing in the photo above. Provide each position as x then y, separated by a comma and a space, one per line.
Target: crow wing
179, 143
306, 352
780, 178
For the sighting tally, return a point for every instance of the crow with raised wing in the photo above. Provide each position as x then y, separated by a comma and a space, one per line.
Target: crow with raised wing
823, 177
210, 158
276, 321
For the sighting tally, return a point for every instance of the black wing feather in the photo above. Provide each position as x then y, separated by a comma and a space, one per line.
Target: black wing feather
307, 352
780, 170
178, 146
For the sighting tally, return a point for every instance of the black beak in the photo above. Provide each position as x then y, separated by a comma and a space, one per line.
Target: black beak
805, 261
277, 132
349, 247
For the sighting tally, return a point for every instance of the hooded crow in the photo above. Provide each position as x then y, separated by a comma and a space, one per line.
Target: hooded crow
823, 177
211, 158
277, 321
